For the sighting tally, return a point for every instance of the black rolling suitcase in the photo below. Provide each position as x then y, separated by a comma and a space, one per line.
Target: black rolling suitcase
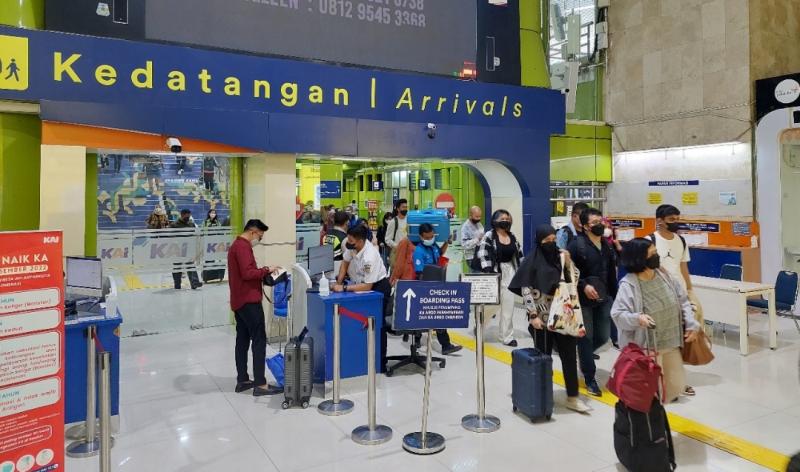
643, 441
532, 383
298, 380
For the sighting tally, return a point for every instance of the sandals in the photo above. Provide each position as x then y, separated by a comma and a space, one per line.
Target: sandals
689, 391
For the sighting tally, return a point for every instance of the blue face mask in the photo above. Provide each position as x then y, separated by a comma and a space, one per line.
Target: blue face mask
428, 242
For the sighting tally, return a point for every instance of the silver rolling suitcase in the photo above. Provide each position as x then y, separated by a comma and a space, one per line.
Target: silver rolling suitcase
299, 371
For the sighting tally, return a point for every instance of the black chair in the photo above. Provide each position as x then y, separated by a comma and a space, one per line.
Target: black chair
429, 273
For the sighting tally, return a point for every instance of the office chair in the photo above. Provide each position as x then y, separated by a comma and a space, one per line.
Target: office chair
429, 273
731, 272
785, 297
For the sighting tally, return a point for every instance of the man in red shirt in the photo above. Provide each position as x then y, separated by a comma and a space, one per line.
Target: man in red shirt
245, 281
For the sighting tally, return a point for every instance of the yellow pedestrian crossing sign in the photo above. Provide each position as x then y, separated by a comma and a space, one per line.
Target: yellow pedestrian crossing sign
14, 64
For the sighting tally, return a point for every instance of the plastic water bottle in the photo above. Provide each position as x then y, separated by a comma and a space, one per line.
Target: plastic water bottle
324, 286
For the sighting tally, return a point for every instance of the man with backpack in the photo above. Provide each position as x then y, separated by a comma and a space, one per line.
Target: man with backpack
674, 254
568, 233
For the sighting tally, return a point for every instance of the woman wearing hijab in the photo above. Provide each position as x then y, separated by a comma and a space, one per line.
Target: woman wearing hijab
536, 281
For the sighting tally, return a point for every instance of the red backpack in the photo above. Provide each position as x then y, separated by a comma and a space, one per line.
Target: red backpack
635, 378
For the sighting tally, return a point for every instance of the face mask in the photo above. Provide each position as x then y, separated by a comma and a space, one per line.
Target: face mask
607, 233
475, 222
254, 242
350, 246
653, 262
504, 225
673, 227
549, 249
598, 229
428, 242
404, 212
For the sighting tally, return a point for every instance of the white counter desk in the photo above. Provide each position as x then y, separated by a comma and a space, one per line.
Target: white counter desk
725, 301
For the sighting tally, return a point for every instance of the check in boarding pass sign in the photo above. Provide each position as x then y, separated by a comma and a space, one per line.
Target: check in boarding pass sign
431, 305
31, 351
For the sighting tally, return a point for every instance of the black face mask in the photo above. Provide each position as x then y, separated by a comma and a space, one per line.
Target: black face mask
350, 246
475, 222
404, 212
550, 251
673, 227
598, 229
504, 225
653, 262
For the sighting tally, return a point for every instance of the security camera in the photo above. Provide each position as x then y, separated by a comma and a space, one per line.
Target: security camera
431, 130
174, 145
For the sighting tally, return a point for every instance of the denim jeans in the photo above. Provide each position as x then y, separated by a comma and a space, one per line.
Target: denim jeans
597, 320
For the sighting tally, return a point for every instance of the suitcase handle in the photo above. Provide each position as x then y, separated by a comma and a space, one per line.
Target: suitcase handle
302, 335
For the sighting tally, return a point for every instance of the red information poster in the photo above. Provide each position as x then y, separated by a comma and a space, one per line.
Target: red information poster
31, 352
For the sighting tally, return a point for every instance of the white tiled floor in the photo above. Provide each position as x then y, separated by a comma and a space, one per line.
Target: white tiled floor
179, 413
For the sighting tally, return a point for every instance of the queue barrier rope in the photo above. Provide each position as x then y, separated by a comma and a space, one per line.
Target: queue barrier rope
354, 316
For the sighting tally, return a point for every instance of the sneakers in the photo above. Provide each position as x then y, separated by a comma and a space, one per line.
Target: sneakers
269, 390
574, 404
451, 349
512, 343
243, 386
593, 388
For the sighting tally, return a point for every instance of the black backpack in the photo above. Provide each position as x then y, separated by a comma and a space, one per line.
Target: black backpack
643, 441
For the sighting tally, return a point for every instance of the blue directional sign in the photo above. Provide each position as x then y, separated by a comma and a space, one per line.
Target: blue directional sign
431, 305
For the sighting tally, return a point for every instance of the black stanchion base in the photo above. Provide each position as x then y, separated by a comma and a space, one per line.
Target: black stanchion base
434, 443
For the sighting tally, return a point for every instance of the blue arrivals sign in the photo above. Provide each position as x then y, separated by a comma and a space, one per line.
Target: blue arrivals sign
330, 189
431, 305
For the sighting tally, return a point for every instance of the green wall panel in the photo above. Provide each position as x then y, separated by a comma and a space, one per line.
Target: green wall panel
583, 154
22, 13
20, 163
90, 225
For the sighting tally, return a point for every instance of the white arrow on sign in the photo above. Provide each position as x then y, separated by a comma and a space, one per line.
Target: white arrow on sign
408, 295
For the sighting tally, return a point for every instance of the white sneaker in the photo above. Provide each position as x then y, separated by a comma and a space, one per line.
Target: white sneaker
574, 404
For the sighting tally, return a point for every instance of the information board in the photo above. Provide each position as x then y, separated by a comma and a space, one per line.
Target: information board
31, 351
484, 288
430, 36
431, 305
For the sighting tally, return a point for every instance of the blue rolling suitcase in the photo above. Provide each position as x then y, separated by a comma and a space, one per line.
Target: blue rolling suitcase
439, 219
532, 383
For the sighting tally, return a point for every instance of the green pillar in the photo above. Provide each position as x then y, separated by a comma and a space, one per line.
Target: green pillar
20, 139
532, 41
90, 227
22, 13
20, 162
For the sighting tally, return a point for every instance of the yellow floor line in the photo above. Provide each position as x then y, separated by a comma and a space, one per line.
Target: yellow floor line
739, 447
133, 282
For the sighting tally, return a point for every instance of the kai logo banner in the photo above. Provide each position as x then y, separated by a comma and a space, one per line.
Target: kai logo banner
13, 63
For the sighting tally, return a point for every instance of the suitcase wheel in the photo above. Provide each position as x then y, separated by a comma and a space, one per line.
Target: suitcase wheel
442, 364
389, 373
305, 405
514, 409
286, 405
547, 417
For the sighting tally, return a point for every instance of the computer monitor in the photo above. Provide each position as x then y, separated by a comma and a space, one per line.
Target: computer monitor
320, 259
85, 276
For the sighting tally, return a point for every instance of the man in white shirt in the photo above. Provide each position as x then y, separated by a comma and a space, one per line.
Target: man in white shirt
471, 234
397, 229
363, 265
674, 254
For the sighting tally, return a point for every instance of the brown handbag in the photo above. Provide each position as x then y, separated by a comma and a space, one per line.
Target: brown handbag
698, 352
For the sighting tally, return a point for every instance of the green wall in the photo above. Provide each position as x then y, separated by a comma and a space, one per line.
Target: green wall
90, 225
533, 60
22, 13
20, 162
236, 189
582, 154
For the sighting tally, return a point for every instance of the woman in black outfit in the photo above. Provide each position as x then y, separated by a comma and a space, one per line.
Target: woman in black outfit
499, 253
382, 237
536, 281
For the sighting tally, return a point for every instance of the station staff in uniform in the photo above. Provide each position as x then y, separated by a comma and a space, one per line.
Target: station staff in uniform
363, 265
